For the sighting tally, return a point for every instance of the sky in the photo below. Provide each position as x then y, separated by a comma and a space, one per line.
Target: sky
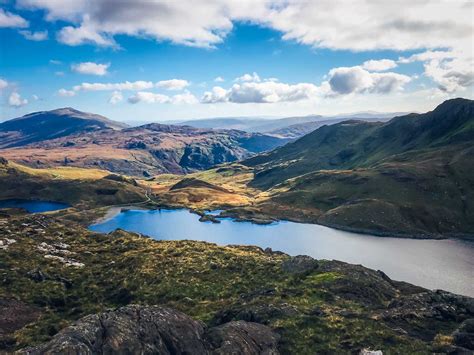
147, 60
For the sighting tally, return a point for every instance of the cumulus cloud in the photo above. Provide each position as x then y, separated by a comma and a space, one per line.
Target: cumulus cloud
261, 92
343, 25
15, 100
451, 74
3, 84
149, 98
427, 55
7, 19
127, 85
217, 94
248, 77
450, 70
173, 84
35, 36
66, 93
357, 80
153, 98
203, 25
90, 68
219, 79
55, 62
185, 98
83, 34
116, 97
379, 65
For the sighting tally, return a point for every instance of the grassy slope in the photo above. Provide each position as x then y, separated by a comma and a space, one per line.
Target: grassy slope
413, 175
330, 309
76, 186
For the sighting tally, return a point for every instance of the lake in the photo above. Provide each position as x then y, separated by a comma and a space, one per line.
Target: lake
33, 206
434, 264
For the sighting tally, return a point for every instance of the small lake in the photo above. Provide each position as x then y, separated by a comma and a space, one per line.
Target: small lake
33, 206
434, 264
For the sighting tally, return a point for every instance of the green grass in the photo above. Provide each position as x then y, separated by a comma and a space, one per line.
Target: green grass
198, 278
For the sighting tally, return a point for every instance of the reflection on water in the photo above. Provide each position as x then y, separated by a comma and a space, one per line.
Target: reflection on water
435, 264
33, 206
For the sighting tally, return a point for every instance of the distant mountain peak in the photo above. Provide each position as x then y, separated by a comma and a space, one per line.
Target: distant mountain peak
44, 125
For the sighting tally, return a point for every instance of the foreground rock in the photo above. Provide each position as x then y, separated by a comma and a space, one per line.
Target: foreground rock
138, 329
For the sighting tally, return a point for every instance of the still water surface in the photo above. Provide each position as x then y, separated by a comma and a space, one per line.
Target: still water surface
435, 264
33, 206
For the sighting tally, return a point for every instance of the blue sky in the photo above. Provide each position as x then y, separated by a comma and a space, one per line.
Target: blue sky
155, 61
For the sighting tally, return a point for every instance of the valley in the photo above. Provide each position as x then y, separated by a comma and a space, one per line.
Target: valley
381, 183
225, 177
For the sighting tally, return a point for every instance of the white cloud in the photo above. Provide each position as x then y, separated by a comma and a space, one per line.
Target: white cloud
217, 94
153, 98
356, 80
55, 62
450, 74
3, 84
379, 65
7, 19
450, 70
370, 25
219, 79
127, 85
35, 97
90, 68
59, 73
15, 100
248, 77
261, 92
353, 24
66, 93
85, 33
173, 84
116, 97
149, 98
35, 36
427, 55
185, 98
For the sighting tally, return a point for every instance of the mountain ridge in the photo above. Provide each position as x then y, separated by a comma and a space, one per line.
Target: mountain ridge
44, 125
88, 140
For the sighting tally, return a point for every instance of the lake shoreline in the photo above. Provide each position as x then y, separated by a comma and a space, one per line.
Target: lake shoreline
432, 263
239, 217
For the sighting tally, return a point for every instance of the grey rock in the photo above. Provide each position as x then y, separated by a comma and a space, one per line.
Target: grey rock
243, 338
136, 329
299, 264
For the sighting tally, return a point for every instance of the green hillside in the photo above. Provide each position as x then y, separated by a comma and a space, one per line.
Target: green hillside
411, 175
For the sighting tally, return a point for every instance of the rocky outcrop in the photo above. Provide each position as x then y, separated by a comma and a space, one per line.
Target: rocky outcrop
138, 329
242, 338
300, 264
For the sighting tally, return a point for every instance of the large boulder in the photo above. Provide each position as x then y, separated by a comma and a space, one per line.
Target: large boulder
242, 337
299, 264
138, 329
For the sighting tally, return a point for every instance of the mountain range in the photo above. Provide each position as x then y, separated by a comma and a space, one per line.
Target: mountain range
67, 137
414, 173
287, 127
